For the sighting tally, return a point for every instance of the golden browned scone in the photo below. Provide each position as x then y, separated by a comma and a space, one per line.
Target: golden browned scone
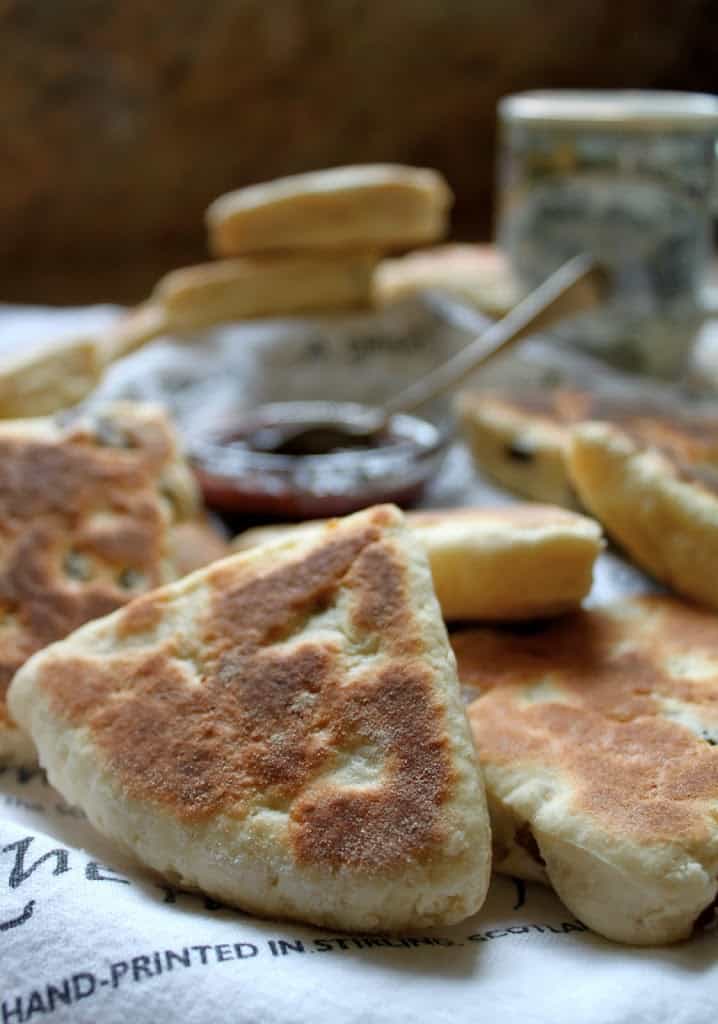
597, 737
479, 274
84, 516
194, 544
283, 732
53, 377
374, 206
516, 562
212, 293
522, 440
662, 511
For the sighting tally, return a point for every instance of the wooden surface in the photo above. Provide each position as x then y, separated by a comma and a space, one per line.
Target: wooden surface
121, 121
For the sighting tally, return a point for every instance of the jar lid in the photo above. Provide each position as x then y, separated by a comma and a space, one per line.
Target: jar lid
620, 109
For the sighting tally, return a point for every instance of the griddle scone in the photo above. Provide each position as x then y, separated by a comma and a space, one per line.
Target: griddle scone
55, 376
284, 733
366, 206
522, 440
516, 562
663, 511
85, 511
597, 736
212, 293
478, 274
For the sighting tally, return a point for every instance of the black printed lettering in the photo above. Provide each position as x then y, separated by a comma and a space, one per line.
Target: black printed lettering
202, 950
12, 1013
323, 945
34, 1005
83, 985
93, 873
518, 929
141, 968
295, 947
117, 972
14, 922
496, 933
19, 874
158, 963
182, 958
223, 952
245, 950
57, 995
574, 926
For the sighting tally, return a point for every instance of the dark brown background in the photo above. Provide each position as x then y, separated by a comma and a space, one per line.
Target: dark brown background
122, 120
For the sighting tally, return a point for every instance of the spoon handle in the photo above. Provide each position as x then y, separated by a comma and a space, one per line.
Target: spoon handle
577, 285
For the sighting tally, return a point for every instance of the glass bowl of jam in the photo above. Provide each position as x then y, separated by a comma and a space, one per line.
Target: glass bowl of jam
242, 482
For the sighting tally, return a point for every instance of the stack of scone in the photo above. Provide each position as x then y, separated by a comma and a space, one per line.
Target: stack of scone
324, 242
310, 243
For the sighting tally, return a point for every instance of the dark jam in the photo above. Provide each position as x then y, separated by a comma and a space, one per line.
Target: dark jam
285, 462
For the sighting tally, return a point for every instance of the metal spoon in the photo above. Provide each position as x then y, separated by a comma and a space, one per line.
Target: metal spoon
577, 286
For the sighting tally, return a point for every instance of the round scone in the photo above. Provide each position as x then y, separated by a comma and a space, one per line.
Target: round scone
516, 562
85, 515
212, 293
597, 736
663, 511
281, 730
365, 206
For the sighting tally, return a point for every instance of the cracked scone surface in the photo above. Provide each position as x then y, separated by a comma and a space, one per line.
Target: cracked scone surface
85, 510
282, 730
597, 737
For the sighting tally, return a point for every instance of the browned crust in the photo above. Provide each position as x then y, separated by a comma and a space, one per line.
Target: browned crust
602, 728
81, 528
242, 708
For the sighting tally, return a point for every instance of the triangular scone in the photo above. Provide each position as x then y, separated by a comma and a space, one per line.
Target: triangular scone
85, 514
283, 732
597, 736
661, 509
